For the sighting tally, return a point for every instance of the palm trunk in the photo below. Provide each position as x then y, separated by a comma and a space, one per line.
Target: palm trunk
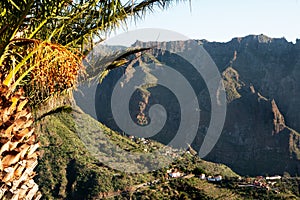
18, 145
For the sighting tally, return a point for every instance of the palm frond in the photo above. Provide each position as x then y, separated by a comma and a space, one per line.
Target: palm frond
98, 66
69, 23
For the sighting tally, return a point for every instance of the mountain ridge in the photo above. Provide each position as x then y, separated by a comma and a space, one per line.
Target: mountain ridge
258, 71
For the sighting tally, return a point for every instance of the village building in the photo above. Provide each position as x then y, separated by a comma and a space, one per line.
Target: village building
202, 176
215, 178
273, 177
174, 173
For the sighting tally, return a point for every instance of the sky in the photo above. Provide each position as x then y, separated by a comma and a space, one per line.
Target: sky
222, 20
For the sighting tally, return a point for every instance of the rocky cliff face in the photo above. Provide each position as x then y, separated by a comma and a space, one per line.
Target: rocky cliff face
270, 65
261, 79
278, 120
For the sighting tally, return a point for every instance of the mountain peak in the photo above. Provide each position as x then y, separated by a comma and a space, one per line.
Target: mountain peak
262, 39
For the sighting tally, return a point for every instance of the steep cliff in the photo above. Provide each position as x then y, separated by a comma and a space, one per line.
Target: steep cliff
260, 75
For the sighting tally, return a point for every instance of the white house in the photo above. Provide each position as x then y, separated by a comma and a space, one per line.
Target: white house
218, 178
175, 174
215, 178
131, 137
273, 177
210, 178
202, 176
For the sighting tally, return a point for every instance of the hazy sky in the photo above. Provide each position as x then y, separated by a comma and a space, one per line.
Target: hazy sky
221, 20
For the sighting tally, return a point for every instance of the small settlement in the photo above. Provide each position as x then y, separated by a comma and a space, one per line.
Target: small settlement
175, 173
268, 182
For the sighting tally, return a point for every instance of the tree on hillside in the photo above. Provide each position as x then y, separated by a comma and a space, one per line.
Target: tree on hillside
42, 43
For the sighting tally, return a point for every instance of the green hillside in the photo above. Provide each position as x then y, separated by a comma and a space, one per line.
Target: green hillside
67, 170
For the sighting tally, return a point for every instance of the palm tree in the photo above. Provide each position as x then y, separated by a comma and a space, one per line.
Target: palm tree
43, 41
